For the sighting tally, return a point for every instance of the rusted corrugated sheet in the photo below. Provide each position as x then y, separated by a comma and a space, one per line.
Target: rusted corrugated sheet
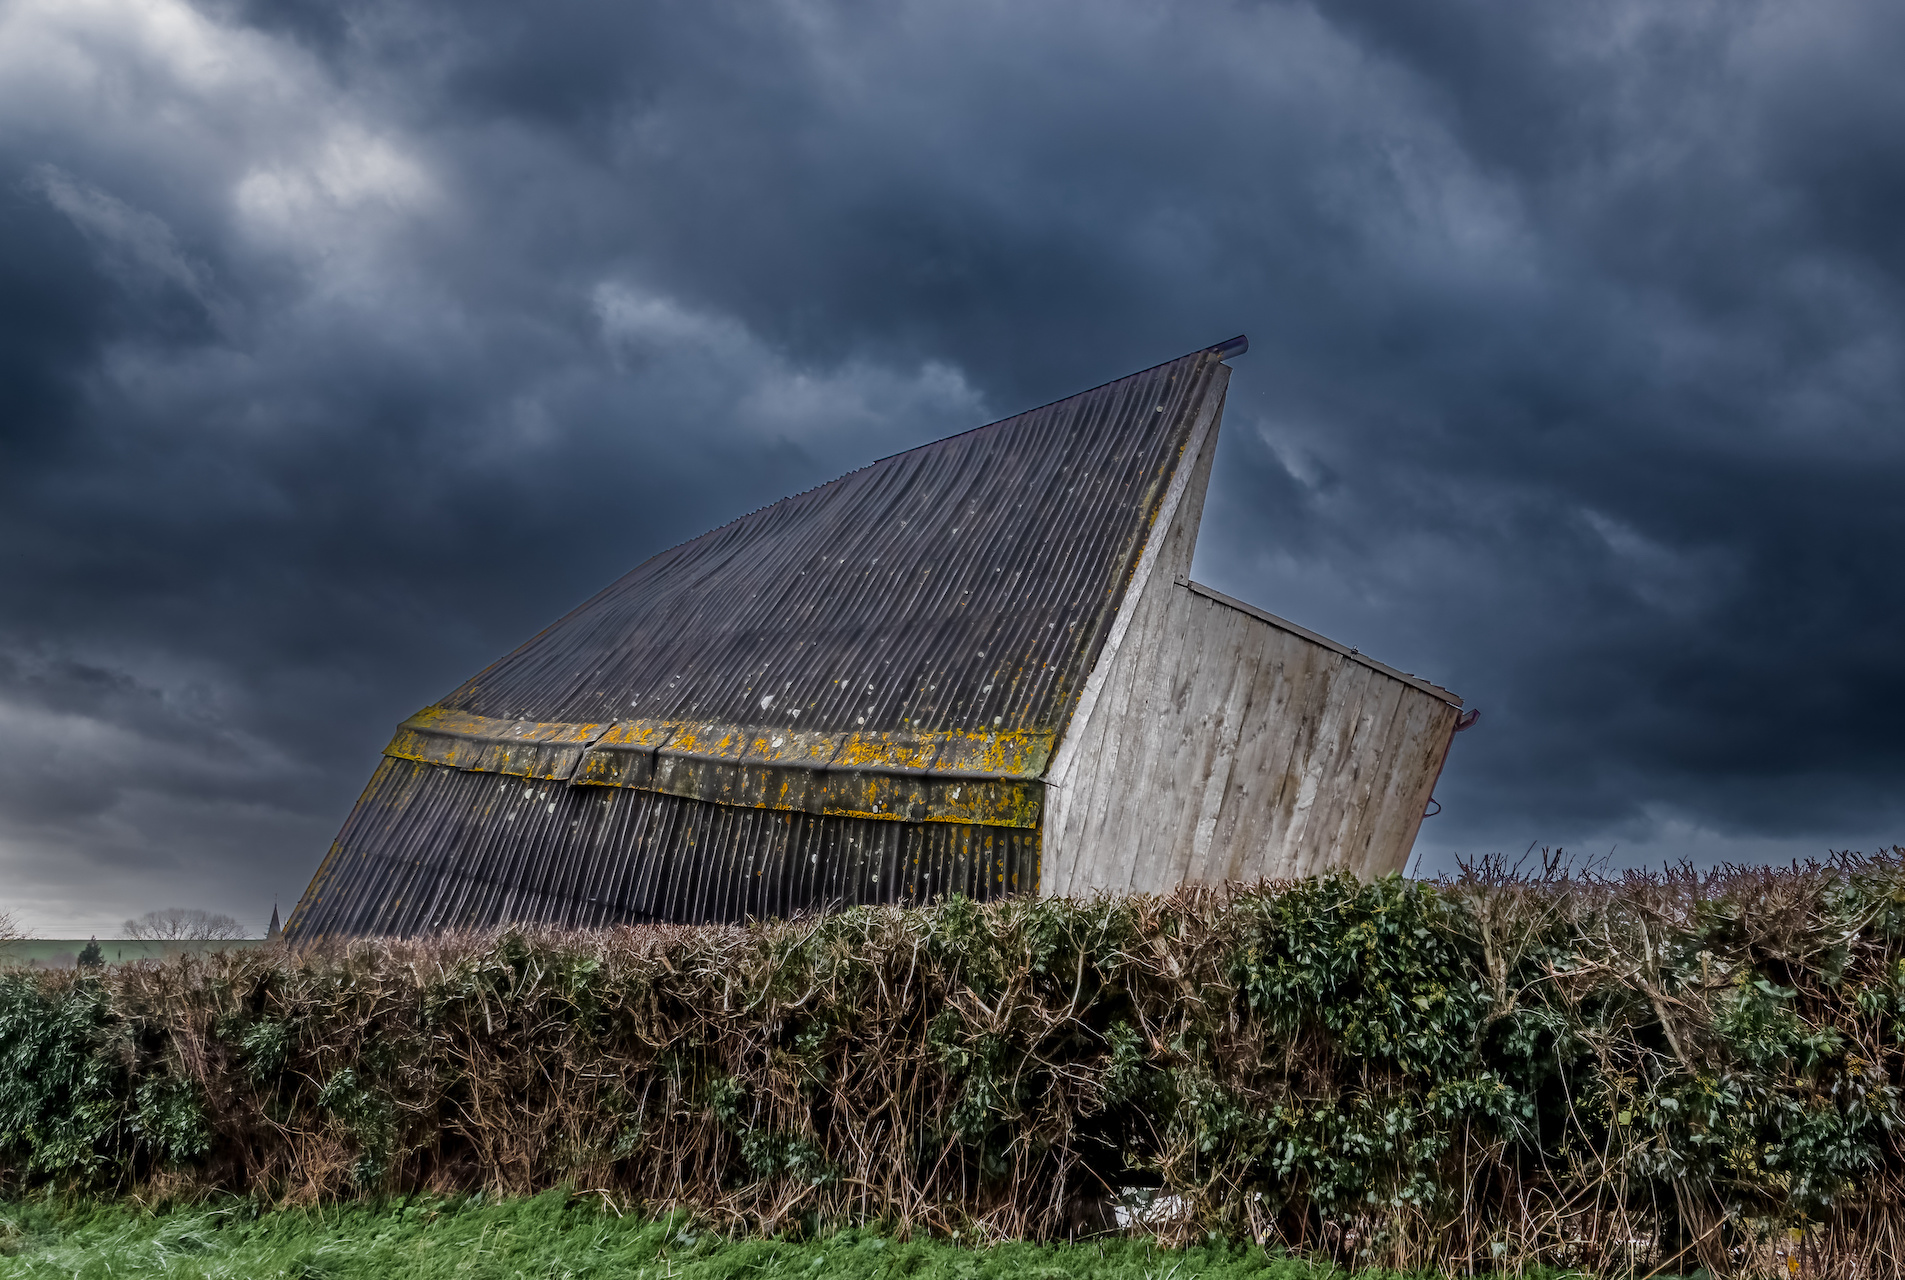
848, 696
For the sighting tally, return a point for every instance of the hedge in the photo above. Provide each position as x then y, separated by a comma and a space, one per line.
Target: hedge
1632, 1074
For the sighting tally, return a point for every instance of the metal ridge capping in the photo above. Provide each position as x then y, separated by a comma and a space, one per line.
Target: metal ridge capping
984, 779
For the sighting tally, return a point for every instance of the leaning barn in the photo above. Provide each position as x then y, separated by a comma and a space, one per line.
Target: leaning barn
977, 667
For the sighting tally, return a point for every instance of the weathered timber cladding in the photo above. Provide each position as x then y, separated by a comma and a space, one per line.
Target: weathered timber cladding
1233, 750
977, 667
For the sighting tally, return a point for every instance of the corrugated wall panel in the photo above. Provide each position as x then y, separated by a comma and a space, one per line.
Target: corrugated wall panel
430, 847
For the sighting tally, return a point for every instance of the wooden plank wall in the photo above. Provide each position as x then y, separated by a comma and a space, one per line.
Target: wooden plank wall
1222, 747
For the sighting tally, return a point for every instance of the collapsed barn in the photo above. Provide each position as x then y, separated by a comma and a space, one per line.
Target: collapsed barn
976, 667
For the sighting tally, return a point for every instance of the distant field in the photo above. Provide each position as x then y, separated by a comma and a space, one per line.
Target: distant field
63, 953
554, 1235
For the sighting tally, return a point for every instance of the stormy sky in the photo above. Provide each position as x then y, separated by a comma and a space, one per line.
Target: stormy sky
343, 346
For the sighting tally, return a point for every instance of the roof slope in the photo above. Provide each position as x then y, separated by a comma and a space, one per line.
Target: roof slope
964, 585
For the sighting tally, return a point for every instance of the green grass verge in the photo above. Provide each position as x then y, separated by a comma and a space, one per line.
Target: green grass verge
63, 953
554, 1236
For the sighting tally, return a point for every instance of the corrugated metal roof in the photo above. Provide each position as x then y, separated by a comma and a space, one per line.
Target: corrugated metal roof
963, 585
846, 696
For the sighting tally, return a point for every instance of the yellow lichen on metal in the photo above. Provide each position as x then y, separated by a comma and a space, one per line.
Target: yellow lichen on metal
791, 746
485, 744
964, 802
624, 756
902, 777
1021, 751
641, 734
709, 739
786, 790
987, 803
887, 750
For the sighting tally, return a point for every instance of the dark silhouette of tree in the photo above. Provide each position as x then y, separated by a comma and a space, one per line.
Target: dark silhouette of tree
184, 924
90, 956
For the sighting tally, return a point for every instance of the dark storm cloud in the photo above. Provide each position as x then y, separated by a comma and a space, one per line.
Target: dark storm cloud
345, 346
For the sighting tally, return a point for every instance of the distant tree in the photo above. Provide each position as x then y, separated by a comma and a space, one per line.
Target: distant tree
184, 924
90, 956
10, 929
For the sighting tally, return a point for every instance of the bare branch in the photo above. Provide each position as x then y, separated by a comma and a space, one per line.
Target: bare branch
184, 924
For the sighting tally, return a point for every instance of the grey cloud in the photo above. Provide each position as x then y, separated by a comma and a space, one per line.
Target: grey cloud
138, 248
349, 344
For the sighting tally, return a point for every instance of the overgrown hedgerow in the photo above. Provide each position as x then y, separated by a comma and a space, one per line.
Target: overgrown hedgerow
1485, 1071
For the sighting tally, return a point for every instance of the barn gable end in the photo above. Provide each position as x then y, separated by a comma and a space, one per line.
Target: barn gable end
1217, 743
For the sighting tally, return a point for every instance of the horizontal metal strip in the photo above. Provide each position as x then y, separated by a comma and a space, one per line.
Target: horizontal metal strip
973, 778
483, 744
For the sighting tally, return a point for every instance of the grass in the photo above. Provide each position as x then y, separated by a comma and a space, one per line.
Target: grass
63, 953
556, 1236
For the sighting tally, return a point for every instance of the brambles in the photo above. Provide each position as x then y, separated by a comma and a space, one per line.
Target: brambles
1485, 1072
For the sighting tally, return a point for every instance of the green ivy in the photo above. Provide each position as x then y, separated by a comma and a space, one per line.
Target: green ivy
170, 1119
63, 1087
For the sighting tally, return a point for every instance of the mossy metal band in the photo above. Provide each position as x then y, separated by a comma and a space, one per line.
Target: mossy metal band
982, 779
